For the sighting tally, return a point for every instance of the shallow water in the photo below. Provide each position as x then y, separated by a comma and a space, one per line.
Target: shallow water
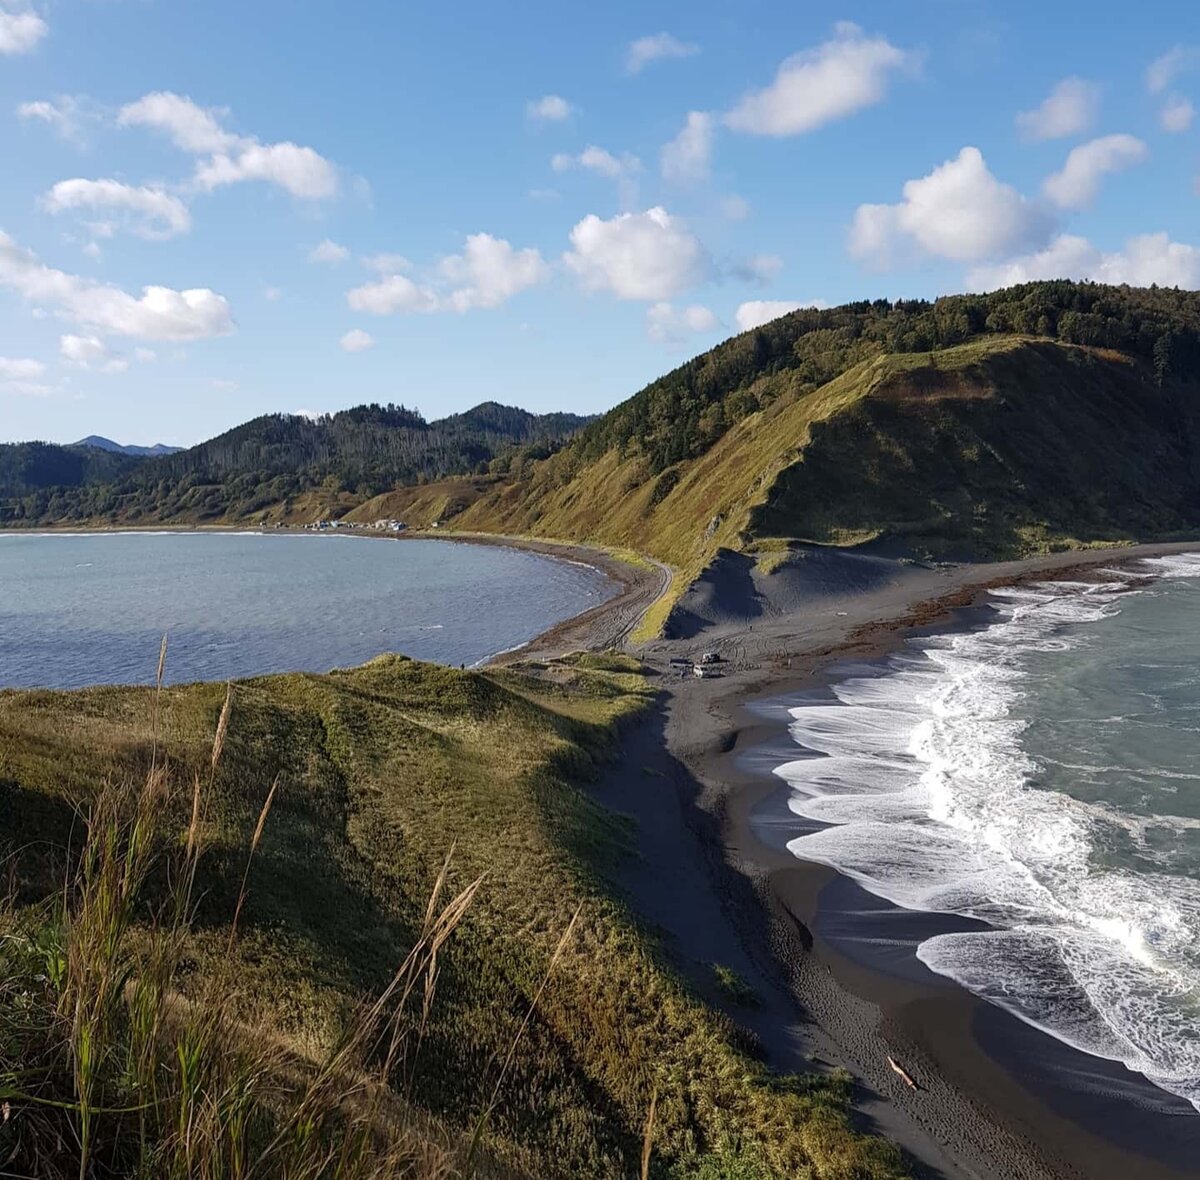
1040, 773
92, 609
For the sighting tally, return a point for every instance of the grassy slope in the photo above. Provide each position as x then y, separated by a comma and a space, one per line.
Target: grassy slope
383, 770
994, 448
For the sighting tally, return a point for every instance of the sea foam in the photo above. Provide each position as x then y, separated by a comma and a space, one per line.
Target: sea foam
933, 803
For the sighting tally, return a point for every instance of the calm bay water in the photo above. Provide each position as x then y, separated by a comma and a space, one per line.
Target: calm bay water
1041, 774
92, 609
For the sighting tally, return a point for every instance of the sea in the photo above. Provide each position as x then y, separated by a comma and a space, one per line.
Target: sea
85, 609
1039, 772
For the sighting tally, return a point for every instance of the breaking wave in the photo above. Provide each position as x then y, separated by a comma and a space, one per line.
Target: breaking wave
935, 803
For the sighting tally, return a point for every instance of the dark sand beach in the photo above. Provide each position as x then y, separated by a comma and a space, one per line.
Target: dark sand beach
832, 965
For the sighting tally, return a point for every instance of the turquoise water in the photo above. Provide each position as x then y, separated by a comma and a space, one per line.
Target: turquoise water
92, 609
1042, 774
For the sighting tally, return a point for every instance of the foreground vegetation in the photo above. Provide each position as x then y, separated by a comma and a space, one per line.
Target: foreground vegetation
364, 933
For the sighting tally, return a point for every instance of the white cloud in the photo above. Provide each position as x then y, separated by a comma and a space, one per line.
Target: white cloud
759, 268
489, 272
656, 48
596, 159
486, 274
1070, 108
20, 369
147, 212
756, 312
301, 171
392, 294
356, 340
1076, 186
329, 252
91, 353
623, 168
1145, 259
649, 255
1176, 115
161, 313
227, 158
688, 156
225, 385
192, 128
65, 115
550, 108
670, 325
820, 85
20, 31
544, 194
145, 355
1164, 70
272, 294
735, 208
959, 211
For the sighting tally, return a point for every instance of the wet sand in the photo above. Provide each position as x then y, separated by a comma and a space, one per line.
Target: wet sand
997, 1099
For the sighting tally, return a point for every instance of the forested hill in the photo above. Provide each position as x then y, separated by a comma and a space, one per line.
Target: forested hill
1050, 414
353, 454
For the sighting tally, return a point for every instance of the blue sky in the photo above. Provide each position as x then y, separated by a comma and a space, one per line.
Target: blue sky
214, 210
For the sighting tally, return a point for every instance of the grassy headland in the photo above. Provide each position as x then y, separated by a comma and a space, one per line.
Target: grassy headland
545, 1029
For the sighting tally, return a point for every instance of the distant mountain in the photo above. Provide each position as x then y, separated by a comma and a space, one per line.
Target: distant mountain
100, 443
278, 461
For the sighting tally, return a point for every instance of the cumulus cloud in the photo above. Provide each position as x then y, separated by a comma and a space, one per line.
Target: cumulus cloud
486, 274
65, 115
658, 47
687, 157
147, 212
624, 168
393, 294
490, 272
192, 128
1076, 185
1176, 115
329, 252
356, 340
1070, 108
1162, 71
20, 369
161, 313
671, 325
649, 255
227, 158
1145, 259
91, 353
959, 211
20, 32
817, 86
756, 312
598, 160
550, 108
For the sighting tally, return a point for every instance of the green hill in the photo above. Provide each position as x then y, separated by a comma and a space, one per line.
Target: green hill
319, 823
1054, 414
268, 461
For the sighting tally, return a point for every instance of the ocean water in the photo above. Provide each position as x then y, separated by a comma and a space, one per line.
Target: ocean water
80, 609
1042, 774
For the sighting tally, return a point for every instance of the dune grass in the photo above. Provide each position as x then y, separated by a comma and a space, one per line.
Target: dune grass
513, 1050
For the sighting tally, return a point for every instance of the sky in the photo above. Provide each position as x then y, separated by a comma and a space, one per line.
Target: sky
214, 210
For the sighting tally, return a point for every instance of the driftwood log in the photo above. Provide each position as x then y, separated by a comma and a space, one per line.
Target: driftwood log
904, 1074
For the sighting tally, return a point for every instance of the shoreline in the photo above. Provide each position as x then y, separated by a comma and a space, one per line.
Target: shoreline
603, 626
999, 1098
